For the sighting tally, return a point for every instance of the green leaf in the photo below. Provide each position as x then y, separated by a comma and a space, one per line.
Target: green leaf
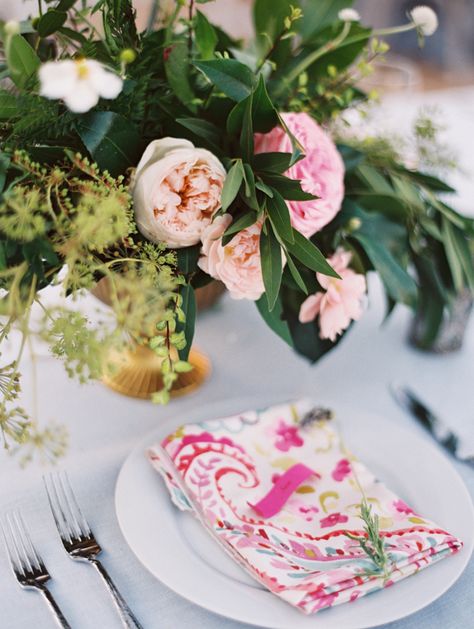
271, 261
232, 184
189, 308
296, 274
268, 17
4, 165
50, 22
399, 284
289, 189
272, 162
307, 253
206, 36
202, 128
233, 78
280, 216
246, 134
298, 150
374, 179
21, 59
250, 188
177, 73
265, 116
8, 106
111, 140
188, 258
319, 15
273, 318
65, 5
458, 255
352, 157
244, 221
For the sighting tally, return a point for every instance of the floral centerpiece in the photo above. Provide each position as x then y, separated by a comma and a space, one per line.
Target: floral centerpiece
165, 159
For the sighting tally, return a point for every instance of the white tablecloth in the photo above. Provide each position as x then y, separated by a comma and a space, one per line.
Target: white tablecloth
247, 358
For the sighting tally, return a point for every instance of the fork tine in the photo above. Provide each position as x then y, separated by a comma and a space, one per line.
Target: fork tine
72, 496
66, 505
58, 514
19, 544
33, 553
11, 550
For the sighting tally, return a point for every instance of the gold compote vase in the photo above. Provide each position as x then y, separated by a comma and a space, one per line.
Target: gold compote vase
136, 369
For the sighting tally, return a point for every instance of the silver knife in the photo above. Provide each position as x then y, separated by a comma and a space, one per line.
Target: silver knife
437, 427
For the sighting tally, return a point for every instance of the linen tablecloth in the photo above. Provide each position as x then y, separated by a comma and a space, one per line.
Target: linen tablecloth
105, 426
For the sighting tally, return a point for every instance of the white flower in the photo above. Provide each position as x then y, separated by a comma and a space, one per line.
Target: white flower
80, 83
425, 19
348, 15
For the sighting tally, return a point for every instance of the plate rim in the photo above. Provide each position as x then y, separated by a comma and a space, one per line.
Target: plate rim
213, 409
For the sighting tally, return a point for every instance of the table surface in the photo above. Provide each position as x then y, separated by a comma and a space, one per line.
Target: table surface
246, 358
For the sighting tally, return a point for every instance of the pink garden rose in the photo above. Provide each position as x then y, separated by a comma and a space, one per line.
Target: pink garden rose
177, 191
342, 301
237, 264
321, 171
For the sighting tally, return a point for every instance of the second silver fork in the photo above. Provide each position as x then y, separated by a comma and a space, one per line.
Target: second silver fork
78, 539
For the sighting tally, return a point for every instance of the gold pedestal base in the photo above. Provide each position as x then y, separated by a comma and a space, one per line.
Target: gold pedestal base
136, 372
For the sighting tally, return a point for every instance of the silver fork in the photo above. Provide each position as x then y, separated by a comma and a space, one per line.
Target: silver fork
78, 539
26, 562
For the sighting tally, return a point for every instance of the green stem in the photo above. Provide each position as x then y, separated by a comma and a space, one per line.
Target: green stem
305, 63
393, 31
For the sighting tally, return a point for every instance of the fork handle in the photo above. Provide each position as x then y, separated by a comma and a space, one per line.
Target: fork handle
62, 622
128, 618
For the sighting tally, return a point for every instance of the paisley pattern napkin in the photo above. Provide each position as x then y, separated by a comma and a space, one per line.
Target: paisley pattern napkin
218, 469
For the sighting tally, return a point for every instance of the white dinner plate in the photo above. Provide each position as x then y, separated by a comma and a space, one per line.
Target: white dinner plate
174, 547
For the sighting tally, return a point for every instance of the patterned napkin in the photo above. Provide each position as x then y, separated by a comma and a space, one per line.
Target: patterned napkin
234, 473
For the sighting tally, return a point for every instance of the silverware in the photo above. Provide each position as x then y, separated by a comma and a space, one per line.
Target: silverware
78, 539
26, 562
436, 426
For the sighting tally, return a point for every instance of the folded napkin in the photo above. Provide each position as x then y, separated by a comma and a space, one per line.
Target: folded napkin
280, 496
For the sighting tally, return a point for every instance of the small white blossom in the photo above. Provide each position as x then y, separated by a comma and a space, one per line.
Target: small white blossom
348, 15
425, 19
80, 83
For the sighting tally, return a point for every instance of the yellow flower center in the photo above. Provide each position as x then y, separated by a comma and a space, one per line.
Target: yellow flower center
82, 69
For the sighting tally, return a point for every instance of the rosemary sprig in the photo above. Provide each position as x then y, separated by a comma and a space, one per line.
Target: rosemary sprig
373, 545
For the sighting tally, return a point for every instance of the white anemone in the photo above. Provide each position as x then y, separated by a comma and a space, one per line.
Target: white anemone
80, 83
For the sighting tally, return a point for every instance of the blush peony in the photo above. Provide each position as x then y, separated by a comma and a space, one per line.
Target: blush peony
177, 191
321, 171
237, 264
342, 301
